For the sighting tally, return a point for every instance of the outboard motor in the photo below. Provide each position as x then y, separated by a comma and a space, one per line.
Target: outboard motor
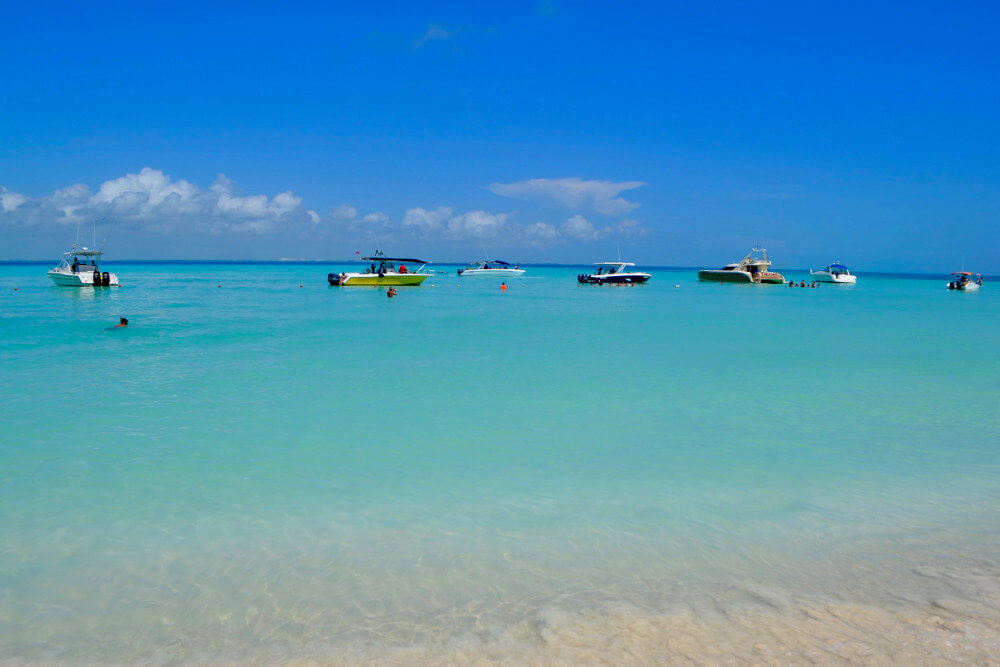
105, 279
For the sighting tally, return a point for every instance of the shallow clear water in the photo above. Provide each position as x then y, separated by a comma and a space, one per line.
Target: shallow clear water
258, 470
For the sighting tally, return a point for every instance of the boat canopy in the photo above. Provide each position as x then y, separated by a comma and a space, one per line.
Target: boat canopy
83, 252
393, 259
834, 267
963, 273
497, 261
614, 264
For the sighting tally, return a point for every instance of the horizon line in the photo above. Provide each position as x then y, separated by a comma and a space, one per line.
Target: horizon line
26, 262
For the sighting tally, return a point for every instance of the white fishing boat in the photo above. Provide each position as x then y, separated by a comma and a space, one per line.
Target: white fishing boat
750, 269
614, 273
965, 281
835, 273
81, 267
491, 267
383, 271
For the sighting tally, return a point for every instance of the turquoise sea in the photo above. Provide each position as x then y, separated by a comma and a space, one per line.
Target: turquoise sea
263, 468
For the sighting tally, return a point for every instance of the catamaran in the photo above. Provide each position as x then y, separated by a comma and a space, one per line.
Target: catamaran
383, 271
491, 267
750, 269
81, 267
835, 273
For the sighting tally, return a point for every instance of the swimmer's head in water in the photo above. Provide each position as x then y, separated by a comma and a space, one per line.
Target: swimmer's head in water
123, 322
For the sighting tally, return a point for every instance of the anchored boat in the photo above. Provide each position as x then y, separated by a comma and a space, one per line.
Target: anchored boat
835, 273
383, 271
81, 267
750, 269
965, 281
614, 273
491, 267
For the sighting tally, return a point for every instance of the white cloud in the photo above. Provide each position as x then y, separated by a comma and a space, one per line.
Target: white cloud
476, 224
573, 193
344, 212
627, 228
10, 200
434, 31
578, 227
541, 231
427, 220
376, 218
151, 199
472, 224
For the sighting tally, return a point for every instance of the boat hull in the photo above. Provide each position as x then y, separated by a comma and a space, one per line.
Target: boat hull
743, 277
487, 273
822, 277
614, 279
725, 276
71, 279
963, 287
375, 280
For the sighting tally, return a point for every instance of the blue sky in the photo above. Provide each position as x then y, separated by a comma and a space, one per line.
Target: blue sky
536, 131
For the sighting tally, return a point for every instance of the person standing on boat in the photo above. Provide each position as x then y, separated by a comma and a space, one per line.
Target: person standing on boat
402, 268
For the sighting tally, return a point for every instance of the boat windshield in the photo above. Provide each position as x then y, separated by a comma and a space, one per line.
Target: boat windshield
81, 261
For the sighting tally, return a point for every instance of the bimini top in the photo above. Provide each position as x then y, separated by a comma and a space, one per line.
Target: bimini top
614, 264
383, 258
83, 252
837, 266
964, 273
496, 261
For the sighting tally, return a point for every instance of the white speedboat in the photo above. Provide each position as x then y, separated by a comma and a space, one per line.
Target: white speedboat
382, 271
81, 267
965, 281
491, 267
835, 273
750, 269
614, 273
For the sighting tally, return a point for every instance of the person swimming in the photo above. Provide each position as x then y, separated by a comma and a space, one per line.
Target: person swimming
122, 323
391, 292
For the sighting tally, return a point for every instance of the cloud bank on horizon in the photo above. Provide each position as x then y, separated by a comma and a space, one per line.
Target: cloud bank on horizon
153, 201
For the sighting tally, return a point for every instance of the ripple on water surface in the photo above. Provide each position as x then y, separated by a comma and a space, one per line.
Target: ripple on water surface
260, 471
